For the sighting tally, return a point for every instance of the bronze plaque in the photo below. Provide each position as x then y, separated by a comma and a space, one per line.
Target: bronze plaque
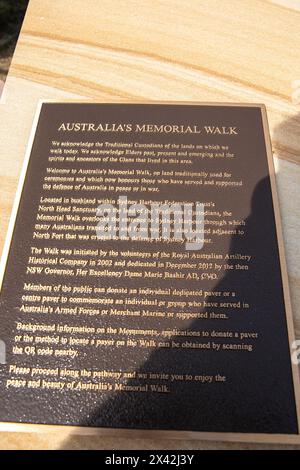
113, 320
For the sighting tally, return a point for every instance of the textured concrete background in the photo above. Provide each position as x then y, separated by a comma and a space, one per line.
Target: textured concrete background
11, 16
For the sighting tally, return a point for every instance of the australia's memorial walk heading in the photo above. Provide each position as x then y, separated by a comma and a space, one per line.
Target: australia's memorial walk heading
144, 285
145, 128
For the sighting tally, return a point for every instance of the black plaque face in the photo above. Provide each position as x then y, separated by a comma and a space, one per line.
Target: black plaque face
142, 333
